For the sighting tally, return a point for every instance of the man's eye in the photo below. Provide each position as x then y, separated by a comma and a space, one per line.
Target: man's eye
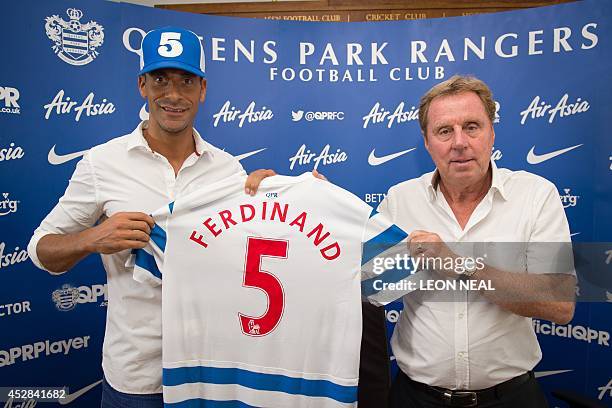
189, 81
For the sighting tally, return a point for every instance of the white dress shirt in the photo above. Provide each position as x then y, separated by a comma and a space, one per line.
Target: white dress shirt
471, 343
124, 174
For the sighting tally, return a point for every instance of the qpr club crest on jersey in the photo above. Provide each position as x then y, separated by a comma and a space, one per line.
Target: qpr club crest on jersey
66, 298
74, 42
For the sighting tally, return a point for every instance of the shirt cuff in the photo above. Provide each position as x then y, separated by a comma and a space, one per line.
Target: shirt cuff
38, 234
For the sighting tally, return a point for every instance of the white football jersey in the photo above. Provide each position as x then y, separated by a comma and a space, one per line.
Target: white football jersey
261, 295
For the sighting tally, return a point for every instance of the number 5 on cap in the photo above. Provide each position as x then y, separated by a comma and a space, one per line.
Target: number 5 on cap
254, 277
169, 45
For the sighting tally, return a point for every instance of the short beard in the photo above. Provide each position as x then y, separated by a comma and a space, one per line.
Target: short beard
172, 130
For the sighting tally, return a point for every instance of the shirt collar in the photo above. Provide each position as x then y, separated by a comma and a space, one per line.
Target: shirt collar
137, 140
497, 183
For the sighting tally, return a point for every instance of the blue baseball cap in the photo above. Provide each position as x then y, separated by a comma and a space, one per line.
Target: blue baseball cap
172, 47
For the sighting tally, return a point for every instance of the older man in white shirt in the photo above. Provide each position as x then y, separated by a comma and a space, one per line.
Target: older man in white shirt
476, 348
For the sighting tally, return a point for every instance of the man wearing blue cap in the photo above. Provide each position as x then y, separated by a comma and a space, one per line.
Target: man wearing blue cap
113, 189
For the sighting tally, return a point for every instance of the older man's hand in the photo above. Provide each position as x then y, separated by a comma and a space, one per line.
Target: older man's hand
429, 246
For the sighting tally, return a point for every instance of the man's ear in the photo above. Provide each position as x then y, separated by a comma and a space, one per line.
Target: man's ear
203, 90
141, 85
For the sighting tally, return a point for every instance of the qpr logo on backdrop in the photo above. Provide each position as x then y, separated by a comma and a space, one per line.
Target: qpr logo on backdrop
10, 96
8, 206
74, 42
310, 116
568, 199
67, 297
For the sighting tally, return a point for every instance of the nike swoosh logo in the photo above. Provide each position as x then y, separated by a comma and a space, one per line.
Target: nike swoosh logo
574, 234
56, 159
71, 397
533, 158
540, 374
377, 161
245, 155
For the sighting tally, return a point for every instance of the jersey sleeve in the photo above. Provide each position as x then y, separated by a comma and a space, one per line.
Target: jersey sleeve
147, 262
385, 268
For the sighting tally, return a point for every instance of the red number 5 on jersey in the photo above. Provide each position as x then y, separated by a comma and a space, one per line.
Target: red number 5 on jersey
255, 277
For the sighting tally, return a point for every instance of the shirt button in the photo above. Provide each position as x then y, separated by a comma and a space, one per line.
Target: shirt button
460, 315
461, 354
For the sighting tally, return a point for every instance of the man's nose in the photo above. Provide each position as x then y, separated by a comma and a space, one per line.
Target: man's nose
172, 90
460, 138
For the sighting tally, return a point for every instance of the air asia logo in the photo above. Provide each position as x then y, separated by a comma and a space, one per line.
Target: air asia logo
41, 348
11, 309
496, 154
539, 108
605, 389
10, 403
17, 256
67, 297
74, 42
568, 199
60, 106
11, 153
9, 97
374, 197
378, 115
229, 113
305, 156
573, 332
7, 205
310, 116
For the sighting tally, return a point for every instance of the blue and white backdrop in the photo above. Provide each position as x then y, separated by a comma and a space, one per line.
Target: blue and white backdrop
338, 97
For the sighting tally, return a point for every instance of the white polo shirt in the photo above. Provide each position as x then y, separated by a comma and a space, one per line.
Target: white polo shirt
124, 174
471, 343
